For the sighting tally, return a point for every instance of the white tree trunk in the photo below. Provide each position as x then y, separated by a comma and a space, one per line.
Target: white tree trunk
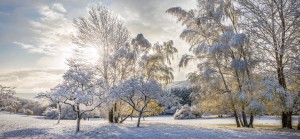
59, 113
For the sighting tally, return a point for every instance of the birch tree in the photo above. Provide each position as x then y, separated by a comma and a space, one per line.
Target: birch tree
274, 24
151, 61
222, 49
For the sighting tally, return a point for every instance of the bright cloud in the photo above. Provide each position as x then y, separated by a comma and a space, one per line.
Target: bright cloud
32, 81
51, 32
59, 7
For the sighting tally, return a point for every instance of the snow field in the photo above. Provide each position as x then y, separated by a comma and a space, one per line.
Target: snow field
162, 127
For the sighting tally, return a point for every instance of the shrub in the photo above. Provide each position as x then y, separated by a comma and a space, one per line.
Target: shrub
51, 113
28, 112
184, 113
21, 111
2, 109
171, 110
66, 113
10, 109
196, 111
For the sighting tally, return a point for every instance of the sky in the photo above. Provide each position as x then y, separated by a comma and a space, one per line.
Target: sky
35, 35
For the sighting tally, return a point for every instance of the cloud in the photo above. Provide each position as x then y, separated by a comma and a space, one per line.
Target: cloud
149, 17
25, 46
59, 7
32, 81
51, 32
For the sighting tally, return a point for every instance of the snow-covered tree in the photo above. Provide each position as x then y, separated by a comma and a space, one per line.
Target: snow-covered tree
222, 49
184, 94
6, 94
120, 59
104, 31
296, 82
145, 59
55, 96
80, 89
141, 58
274, 27
85, 93
138, 93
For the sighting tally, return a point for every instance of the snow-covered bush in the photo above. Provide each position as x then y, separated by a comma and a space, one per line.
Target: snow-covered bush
195, 109
51, 113
35, 107
38, 109
28, 112
93, 114
184, 113
21, 110
66, 113
10, 109
171, 110
2, 108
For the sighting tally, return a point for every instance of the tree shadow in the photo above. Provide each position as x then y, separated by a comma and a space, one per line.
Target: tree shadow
124, 131
24, 133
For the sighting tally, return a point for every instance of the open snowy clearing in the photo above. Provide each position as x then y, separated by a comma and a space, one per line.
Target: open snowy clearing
20, 126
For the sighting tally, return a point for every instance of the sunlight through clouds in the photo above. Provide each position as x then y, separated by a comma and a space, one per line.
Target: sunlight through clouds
44, 29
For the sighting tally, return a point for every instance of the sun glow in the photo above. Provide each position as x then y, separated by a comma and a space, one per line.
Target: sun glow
90, 54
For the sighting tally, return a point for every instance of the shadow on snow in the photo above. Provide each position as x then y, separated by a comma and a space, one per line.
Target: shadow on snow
24, 133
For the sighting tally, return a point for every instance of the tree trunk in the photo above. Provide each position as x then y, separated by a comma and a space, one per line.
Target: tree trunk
284, 120
244, 116
251, 120
241, 121
111, 116
298, 127
289, 120
286, 116
127, 117
139, 119
78, 120
115, 114
236, 118
59, 113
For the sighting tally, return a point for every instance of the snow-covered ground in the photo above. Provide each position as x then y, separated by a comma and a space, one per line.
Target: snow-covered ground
20, 126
